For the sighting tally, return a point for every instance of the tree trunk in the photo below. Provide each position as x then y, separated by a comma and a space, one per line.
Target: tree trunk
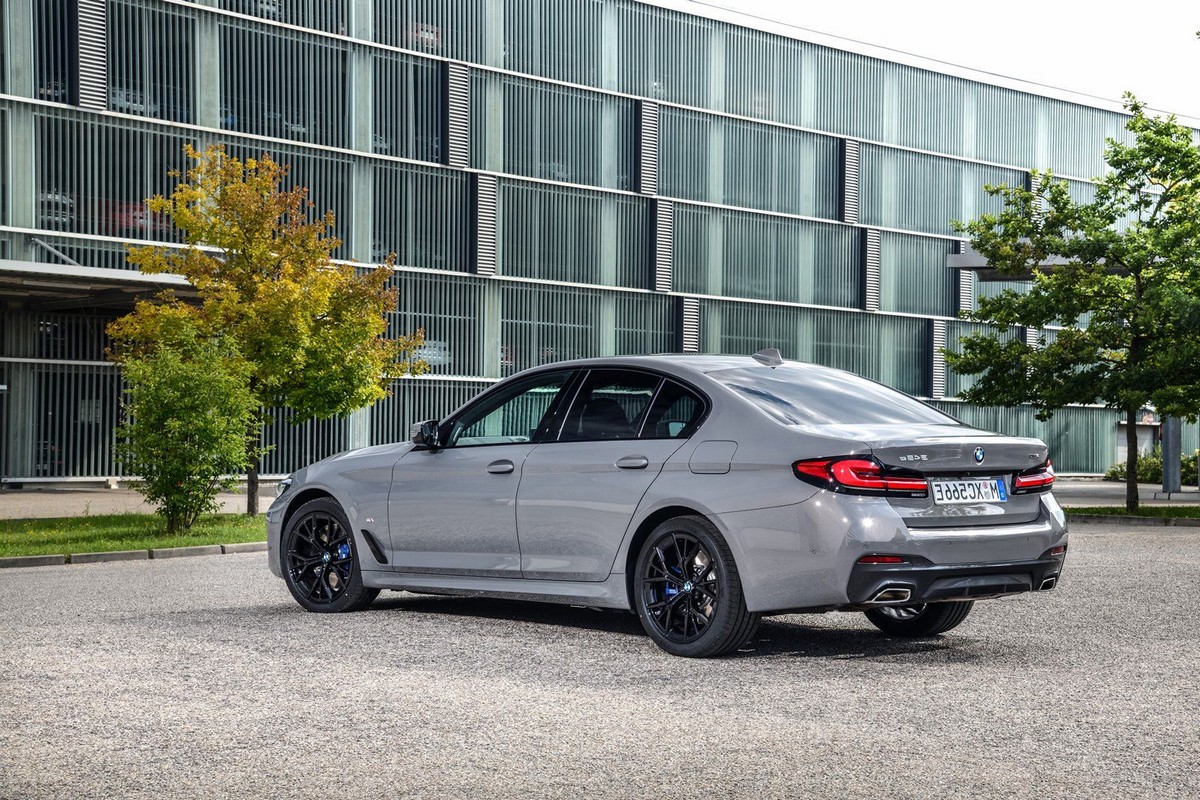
1131, 460
252, 477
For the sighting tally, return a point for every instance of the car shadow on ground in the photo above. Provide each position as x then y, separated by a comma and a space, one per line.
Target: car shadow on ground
777, 637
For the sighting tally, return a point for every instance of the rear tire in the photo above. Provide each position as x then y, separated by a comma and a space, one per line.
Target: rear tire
929, 619
320, 560
687, 591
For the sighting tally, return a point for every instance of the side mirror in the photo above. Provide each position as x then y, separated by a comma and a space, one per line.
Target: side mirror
426, 433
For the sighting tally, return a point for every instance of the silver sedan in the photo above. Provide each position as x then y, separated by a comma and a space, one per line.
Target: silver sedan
700, 492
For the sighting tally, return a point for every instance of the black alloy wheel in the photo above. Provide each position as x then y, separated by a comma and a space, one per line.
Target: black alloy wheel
688, 594
320, 560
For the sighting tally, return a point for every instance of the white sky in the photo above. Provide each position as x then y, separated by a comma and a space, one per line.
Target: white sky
1148, 48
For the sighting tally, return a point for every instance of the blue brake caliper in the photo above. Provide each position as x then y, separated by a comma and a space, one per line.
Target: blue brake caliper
343, 550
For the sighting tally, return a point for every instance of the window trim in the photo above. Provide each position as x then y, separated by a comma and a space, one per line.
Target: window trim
545, 424
663, 379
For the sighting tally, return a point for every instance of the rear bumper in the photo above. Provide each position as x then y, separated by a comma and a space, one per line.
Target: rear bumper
928, 582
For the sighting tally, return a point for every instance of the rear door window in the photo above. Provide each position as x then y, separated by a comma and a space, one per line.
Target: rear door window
610, 404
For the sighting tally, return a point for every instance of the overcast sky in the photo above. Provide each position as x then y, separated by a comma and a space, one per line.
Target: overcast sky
1149, 48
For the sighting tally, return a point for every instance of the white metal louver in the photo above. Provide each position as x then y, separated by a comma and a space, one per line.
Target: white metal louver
458, 114
871, 269
664, 245
93, 55
937, 373
647, 147
486, 189
689, 325
966, 282
851, 154
1031, 336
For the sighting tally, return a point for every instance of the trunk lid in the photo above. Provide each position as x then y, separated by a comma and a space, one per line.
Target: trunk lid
961, 459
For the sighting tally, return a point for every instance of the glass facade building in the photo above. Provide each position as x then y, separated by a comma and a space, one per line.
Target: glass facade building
558, 178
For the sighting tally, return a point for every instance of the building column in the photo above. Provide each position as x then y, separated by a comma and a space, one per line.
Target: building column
492, 323
610, 34
21, 188
358, 428
360, 108
17, 38
493, 28
20, 436
361, 238
206, 66
716, 67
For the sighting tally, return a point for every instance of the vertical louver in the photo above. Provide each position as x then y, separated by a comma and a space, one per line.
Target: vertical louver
647, 149
458, 108
664, 244
486, 190
93, 55
871, 261
688, 325
937, 372
966, 283
850, 175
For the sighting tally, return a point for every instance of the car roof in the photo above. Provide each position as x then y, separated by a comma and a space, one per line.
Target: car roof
678, 362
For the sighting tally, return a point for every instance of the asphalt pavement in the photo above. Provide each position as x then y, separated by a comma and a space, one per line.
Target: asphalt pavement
200, 677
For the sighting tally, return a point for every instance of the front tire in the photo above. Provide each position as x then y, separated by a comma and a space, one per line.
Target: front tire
928, 619
687, 591
320, 560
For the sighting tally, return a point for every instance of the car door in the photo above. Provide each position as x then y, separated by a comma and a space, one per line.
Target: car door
452, 509
579, 490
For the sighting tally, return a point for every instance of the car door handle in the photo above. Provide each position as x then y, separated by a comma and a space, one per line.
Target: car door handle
501, 467
633, 462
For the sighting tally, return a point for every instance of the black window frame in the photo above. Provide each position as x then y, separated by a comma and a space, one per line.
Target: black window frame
544, 426
663, 379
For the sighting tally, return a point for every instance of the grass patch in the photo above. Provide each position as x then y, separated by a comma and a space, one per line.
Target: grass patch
1187, 512
104, 533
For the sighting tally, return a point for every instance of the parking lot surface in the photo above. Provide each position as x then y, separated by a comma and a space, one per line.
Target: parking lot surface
200, 677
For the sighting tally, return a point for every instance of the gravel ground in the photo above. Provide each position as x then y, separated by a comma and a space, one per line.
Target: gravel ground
200, 677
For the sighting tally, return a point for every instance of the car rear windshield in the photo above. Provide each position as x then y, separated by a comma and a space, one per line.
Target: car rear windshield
809, 395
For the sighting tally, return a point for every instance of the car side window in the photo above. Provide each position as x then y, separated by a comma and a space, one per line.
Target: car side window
610, 404
677, 412
511, 416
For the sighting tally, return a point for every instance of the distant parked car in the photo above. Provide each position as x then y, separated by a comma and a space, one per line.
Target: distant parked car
131, 101
132, 220
55, 92
56, 210
434, 353
283, 126
700, 492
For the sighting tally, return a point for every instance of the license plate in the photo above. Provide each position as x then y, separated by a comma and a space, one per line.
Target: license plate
952, 492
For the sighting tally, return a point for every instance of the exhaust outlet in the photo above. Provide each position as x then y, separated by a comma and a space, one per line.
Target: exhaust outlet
1049, 583
892, 596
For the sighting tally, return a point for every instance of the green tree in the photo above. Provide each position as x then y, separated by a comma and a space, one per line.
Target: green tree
311, 332
1122, 272
188, 410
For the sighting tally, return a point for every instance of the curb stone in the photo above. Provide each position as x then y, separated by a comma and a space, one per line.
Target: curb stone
132, 555
33, 561
179, 552
245, 547
115, 555
1121, 519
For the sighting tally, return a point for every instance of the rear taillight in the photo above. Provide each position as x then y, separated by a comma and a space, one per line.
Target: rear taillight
1037, 479
855, 475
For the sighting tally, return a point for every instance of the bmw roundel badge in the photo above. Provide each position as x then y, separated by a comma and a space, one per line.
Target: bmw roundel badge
979, 455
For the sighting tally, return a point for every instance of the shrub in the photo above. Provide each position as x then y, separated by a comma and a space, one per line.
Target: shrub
1150, 468
188, 412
